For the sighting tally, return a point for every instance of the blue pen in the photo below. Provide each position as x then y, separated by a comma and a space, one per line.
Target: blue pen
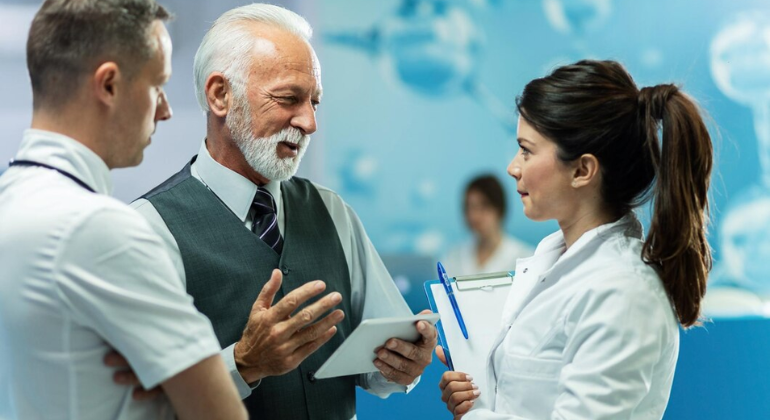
448, 287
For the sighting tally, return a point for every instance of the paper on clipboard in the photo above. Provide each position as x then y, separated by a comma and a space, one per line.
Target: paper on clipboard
481, 300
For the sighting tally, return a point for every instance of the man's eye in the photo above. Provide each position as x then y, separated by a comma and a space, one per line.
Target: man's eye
288, 99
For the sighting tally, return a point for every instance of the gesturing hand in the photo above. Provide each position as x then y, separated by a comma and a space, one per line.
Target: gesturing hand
402, 362
458, 392
275, 342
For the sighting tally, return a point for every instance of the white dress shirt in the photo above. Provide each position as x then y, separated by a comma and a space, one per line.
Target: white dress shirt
373, 293
84, 273
586, 334
462, 260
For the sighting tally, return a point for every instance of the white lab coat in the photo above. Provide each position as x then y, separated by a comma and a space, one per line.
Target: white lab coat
586, 334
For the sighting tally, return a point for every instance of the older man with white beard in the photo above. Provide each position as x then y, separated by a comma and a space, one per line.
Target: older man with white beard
236, 216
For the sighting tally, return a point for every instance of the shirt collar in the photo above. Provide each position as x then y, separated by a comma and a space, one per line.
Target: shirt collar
628, 225
235, 190
67, 154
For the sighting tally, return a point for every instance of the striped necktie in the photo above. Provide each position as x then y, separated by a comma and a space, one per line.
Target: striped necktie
265, 222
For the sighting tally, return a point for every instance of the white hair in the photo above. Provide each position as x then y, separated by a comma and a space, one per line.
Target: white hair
227, 46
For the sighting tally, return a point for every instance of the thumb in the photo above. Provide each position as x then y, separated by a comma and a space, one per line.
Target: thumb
440, 355
267, 295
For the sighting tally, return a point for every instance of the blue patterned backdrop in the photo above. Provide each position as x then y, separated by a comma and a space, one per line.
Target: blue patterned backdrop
420, 95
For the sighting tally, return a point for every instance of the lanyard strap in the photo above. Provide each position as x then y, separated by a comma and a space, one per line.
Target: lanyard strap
43, 165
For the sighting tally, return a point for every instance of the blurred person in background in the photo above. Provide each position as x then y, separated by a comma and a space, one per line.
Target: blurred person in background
491, 249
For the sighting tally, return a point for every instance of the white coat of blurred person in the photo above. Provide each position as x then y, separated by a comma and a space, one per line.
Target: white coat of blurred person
490, 249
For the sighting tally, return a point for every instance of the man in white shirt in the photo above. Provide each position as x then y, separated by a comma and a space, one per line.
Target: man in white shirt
235, 214
82, 272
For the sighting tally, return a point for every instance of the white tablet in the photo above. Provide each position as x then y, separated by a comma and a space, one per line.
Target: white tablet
356, 354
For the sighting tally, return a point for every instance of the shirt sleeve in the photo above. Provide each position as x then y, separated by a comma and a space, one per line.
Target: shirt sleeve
115, 277
375, 295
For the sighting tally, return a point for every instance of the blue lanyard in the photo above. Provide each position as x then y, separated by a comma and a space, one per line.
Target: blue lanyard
43, 165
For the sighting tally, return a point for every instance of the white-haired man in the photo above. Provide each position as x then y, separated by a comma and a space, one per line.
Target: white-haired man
82, 272
236, 216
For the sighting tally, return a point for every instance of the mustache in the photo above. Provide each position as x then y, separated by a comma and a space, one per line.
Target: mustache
291, 135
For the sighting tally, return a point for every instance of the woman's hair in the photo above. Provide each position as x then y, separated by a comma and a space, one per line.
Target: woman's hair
594, 107
490, 187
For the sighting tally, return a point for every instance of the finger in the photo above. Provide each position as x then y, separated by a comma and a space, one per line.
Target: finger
313, 332
460, 397
115, 359
393, 375
425, 312
141, 394
441, 356
463, 408
455, 387
428, 333
289, 303
452, 376
417, 354
400, 363
125, 377
267, 294
308, 314
303, 352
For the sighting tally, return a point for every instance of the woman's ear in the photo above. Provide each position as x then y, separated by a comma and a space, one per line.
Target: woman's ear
586, 171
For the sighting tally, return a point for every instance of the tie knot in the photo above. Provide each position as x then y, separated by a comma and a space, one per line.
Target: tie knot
263, 201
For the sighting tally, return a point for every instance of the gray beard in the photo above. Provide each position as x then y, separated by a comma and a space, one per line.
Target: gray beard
261, 153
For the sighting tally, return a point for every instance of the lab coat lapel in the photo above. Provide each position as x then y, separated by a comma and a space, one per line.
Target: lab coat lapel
530, 276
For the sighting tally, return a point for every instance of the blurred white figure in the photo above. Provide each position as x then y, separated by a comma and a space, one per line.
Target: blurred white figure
490, 249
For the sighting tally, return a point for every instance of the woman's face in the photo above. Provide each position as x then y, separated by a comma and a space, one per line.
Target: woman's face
542, 180
482, 217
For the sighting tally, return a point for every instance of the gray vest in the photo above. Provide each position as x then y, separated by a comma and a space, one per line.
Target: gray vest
226, 266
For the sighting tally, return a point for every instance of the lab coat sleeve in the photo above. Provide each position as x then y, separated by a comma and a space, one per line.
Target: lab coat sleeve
615, 332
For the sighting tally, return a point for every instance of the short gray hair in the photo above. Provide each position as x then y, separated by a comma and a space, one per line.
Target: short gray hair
69, 37
226, 46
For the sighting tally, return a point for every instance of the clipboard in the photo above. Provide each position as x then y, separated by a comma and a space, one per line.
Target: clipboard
481, 299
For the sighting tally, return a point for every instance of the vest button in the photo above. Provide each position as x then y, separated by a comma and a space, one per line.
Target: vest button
311, 376
285, 271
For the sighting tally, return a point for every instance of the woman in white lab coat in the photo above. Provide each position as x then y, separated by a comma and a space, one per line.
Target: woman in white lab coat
590, 328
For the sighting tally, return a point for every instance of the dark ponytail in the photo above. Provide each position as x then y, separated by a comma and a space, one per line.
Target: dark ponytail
594, 107
676, 242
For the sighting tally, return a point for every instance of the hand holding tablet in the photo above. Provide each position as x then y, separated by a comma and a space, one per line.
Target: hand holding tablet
356, 354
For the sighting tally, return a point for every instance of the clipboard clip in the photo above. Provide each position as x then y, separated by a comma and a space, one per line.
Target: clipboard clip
485, 281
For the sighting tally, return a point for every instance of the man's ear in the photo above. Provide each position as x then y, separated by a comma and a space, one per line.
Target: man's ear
106, 82
218, 94
586, 171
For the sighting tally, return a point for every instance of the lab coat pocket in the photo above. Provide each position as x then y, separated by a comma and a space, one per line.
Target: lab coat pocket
527, 387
